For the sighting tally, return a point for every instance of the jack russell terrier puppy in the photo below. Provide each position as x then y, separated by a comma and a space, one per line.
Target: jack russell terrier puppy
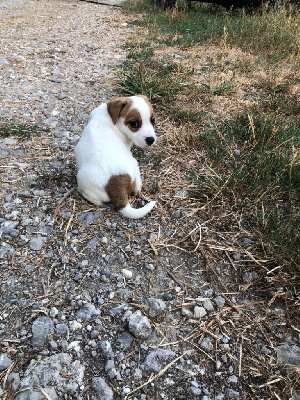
106, 168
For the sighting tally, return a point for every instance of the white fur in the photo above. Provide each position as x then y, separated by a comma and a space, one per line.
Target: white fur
104, 151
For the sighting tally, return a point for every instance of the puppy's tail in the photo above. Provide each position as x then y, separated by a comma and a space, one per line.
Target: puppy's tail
136, 213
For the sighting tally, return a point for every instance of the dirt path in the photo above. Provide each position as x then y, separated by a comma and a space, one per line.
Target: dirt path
92, 304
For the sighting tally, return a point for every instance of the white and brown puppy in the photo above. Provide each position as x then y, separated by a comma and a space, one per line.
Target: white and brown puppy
107, 170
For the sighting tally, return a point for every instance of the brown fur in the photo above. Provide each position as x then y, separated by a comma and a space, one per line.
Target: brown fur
133, 115
118, 188
118, 108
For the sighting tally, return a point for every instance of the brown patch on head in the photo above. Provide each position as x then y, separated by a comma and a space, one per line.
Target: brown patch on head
118, 188
133, 120
152, 119
118, 108
148, 103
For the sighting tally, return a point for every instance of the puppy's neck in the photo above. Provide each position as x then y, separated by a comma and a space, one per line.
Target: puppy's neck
125, 139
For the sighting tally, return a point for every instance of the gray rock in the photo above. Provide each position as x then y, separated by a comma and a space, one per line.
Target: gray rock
88, 218
195, 391
14, 380
232, 379
102, 389
155, 307
9, 228
231, 394
220, 301
61, 329
41, 328
288, 354
62, 96
208, 305
199, 312
125, 340
37, 243
87, 311
5, 361
157, 360
207, 343
249, 276
48, 374
139, 325
106, 350
6, 250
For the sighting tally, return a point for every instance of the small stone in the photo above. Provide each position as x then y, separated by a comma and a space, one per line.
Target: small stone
106, 349
288, 354
126, 273
74, 325
125, 391
101, 388
231, 394
87, 311
125, 340
155, 307
237, 152
53, 312
42, 327
37, 243
207, 343
62, 96
109, 365
157, 359
176, 214
139, 325
14, 380
5, 361
220, 301
232, 379
199, 312
88, 218
195, 391
62, 329
249, 276
208, 305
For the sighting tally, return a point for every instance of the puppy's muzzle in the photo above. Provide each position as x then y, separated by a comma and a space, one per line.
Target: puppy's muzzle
150, 140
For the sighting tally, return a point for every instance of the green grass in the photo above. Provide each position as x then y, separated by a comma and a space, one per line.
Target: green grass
253, 158
258, 164
157, 79
24, 131
273, 33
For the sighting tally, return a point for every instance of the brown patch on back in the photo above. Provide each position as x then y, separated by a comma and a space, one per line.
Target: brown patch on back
118, 188
118, 108
133, 115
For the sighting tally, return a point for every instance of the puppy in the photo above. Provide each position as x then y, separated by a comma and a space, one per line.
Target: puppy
106, 168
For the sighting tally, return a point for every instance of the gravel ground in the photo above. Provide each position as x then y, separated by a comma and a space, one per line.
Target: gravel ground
93, 305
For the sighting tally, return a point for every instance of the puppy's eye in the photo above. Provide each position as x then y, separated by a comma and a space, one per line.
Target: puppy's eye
152, 120
135, 124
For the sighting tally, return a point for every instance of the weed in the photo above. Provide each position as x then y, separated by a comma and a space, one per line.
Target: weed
156, 79
263, 175
219, 91
24, 131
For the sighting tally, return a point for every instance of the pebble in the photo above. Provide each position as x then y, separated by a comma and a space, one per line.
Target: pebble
102, 389
288, 354
155, 306
41, 328
126, 273
106, 349
13, 379
87, 312
157, 360
220, 301
231, 394
139, 325
5, 361
37, 243
199, 312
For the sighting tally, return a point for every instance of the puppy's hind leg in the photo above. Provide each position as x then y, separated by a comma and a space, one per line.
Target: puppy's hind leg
138, 182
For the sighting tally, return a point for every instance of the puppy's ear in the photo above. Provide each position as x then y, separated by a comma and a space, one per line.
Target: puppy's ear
117, 107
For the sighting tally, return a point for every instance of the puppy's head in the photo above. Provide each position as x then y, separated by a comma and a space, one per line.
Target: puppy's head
134, 117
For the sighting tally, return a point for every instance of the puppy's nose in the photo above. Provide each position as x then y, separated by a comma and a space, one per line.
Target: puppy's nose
150, 140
